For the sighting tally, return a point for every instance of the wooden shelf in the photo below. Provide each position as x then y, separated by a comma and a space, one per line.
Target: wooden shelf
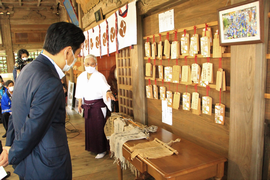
267, 56
267, 96
212, 86
214, 23
190, 57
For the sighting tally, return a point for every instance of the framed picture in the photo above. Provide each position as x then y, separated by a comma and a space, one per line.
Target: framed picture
70, 94
99, 15
241, 23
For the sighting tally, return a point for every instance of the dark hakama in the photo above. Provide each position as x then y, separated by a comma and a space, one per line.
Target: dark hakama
95, 139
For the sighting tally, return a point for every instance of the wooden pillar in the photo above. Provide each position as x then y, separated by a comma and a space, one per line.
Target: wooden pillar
248, 79
80, 15
7, 42
138, 82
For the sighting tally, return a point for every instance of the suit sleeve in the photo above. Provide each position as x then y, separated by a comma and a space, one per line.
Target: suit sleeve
44, 106
10, 132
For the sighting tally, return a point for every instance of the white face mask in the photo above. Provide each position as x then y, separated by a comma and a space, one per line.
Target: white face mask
90, 69
1, 85
67, 67
24, 59
11, 88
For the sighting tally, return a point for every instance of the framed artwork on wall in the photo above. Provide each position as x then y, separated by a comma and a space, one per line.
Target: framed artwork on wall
70, 94
99, 15
241, 23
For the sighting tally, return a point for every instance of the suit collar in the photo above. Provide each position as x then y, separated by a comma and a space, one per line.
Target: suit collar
47, 62
59, 71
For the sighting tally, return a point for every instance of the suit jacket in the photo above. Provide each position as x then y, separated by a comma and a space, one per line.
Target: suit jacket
36, 133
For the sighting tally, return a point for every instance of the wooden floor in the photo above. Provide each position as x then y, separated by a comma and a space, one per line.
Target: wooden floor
84, 164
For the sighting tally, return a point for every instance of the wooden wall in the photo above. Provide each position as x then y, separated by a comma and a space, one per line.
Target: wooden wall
266, 165
105, 64
240, 139
200, 129
267, 90
248, 80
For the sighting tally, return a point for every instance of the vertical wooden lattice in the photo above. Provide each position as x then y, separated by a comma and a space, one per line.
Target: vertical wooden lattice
124, 79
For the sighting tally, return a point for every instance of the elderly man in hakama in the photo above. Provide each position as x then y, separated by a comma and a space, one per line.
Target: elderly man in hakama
94, 94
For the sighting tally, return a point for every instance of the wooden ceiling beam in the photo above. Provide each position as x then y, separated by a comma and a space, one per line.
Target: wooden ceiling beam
1, 5
32, 7
28, 2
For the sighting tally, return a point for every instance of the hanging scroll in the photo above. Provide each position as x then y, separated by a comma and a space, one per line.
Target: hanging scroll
103, 38
127, 25
94, 41
112, 33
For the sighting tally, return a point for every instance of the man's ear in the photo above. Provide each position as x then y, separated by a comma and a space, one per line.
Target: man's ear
67, 51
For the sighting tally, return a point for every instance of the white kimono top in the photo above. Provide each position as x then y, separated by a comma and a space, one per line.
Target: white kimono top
94, 88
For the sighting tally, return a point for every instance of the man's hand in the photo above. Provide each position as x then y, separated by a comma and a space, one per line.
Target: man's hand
110, 95
4, 156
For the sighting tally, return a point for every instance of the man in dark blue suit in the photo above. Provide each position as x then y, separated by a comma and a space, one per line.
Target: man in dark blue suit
36, 141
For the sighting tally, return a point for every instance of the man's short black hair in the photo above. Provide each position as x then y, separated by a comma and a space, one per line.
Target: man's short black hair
22, 51
62, 34
9, 82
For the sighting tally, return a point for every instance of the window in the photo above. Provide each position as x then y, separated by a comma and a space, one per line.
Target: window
3, 62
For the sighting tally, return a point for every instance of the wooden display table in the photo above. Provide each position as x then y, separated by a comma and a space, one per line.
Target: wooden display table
191, 162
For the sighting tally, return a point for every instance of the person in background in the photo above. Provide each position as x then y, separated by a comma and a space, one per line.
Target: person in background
6, 104
93, 89
22, 60
112, 81
36, 142
3, 89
